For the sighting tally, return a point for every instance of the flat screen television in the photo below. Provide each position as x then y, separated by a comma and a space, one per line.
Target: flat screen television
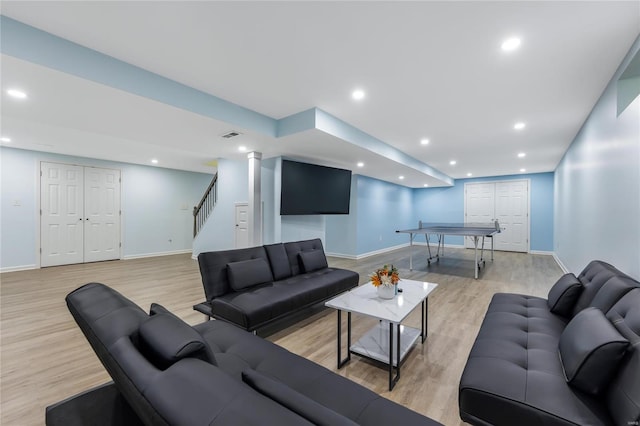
312, 189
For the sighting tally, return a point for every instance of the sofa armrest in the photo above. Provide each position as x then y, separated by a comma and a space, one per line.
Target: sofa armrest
205, 308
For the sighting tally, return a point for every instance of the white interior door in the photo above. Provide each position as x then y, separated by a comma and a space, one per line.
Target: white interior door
80, 214
61, 220
512, 212
508, 202
102, 214
479, 205
242, 225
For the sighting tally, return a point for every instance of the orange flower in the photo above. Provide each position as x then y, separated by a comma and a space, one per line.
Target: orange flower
384, 276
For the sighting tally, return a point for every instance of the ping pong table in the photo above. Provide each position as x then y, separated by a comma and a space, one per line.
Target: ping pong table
475, 231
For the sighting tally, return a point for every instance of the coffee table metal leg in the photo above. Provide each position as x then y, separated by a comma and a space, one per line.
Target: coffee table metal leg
342, 361
425, 318
394, 380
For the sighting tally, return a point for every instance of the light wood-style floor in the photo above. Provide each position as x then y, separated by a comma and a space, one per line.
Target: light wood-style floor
45, 358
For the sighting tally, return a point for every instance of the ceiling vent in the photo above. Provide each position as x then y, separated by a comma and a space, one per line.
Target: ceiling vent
231, 134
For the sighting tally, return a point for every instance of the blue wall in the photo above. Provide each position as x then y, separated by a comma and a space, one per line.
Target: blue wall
597, 186
157, 206
447, 205
383, 208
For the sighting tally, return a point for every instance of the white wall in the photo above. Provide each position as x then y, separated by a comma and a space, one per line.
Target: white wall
218, 232
157, 206
597, 187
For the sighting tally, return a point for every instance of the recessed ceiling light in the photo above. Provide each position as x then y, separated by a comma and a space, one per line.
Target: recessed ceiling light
242, 148
360, 164
5, 139
511, 44
469, 174
521, 155
452, 162
358, 94
154, 161
15, 93
519, 126
424, 141
523, 170
425, 185
400, 177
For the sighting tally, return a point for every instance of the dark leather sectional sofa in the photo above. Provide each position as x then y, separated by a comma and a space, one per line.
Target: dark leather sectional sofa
571, 359
255, 286
166, 372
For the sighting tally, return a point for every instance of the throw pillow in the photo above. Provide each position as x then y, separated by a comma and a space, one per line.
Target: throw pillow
300, 404
248, 273
590, 350
166, 339
313, 260
564, 295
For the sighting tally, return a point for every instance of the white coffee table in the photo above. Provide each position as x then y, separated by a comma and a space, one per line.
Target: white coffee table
379, 343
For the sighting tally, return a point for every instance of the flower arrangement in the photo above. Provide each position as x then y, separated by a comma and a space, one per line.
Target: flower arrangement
387, 276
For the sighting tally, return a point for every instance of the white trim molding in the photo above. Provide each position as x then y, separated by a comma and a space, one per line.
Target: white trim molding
543, 252
17, 268
368, 254
560, 264
158, 254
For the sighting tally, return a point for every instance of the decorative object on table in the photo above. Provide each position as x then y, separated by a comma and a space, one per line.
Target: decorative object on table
386, 280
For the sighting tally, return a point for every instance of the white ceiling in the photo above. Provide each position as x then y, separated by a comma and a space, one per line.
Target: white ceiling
430, 69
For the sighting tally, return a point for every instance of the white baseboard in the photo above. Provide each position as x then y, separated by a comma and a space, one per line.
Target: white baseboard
162, 253
543, 252
434, 246
17, 268
371, 253
560, 264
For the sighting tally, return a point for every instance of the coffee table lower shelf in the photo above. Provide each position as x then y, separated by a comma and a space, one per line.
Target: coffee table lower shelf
375, 343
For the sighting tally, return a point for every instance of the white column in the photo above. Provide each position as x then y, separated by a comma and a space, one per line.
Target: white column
255, 199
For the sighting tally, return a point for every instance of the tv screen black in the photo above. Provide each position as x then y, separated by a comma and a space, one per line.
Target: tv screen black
311, 189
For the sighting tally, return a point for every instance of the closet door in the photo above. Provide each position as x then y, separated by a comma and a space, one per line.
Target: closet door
80, 214
101, 214
506, 201
512, 212
61, 214
479, 205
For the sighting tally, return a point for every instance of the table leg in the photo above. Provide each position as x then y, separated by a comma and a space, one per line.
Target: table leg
475, 244
393, 380
492, 248
425, 319
411, 251
341, 361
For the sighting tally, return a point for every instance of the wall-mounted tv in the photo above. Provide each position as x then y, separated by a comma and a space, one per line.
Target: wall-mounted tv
312, 189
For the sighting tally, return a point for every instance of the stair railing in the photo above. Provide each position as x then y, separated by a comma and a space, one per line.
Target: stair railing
202, 211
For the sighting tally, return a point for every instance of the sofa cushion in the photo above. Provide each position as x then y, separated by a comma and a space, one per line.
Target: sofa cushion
623, 394
564, 294
213, 268
294, 401
257, 306
514, 372
166, 339
293, 249
193, 392
248, 273
313, 260
593, 277
278, 260
590, 349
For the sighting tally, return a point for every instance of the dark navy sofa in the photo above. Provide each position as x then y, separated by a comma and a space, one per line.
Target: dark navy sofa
255, 286
166, 372
570, 359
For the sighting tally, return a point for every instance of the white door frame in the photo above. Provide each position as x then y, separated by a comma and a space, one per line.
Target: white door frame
38, 167
528, 180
